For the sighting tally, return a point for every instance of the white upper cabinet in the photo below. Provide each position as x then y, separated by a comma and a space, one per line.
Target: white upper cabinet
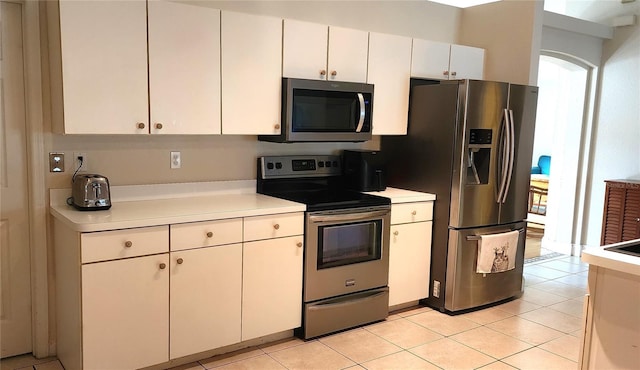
320, 52
102, 56
304, 50
348, 50
251, 74
184, 68
466, 62
390, 72
444, 61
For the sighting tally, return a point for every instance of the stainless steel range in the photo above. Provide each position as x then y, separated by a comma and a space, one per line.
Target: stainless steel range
346, 258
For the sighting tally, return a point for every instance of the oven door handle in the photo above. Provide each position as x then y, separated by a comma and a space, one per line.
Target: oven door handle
347, 216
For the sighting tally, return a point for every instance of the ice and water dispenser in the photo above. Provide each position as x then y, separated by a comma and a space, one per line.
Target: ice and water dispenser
479, 151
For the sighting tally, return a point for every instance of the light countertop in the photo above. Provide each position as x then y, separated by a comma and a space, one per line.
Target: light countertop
404, 196
598, 256
144, 205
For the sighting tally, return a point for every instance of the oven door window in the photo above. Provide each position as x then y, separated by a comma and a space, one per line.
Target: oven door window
347, 244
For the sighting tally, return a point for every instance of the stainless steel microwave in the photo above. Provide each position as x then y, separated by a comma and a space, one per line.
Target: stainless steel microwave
324, 111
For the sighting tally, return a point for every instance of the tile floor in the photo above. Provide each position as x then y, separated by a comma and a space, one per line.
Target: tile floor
540, 330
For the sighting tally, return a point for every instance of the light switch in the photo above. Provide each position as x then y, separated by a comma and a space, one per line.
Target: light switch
56, 162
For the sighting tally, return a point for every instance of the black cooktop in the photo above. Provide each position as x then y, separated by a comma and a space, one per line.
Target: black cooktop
308, 180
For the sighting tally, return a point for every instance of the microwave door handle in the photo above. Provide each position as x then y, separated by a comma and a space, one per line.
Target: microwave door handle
362, 112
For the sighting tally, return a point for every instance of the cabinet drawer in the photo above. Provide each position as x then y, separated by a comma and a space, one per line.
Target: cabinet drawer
110, 245
206, 234
403, 213
273, 226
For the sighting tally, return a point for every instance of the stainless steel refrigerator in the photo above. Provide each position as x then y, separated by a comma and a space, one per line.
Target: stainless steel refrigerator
470, 143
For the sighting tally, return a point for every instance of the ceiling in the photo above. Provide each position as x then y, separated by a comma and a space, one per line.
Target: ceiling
599, 11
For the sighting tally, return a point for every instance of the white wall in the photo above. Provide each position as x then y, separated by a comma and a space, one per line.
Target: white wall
617, 138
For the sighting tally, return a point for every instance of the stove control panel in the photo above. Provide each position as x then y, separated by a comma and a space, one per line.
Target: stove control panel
299, 166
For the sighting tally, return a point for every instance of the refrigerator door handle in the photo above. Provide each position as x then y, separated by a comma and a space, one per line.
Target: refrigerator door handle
504, 147
512, 138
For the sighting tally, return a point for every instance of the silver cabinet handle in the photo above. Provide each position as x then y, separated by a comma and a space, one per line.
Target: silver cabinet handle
276, 226
209, 234
162, 266
159, 126
362, 112
128, 244
299, 244
179, 261
141, 125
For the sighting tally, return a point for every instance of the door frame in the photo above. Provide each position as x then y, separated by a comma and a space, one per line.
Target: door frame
582, 200
36, 181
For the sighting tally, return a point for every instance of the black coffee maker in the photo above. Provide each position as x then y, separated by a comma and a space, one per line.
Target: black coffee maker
364, 170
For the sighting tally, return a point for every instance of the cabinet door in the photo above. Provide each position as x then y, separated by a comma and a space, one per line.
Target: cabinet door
271, 286
347, 55
631, 218
304, 50
125, 313
390, 71
251, 74
184, 68
466, 62
409, 262
104, 66
430, 59
206, 287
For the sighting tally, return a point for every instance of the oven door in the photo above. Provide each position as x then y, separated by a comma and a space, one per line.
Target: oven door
347, 251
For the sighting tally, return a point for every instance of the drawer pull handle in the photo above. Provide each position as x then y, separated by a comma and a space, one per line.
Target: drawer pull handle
323, 72
179, 261
128, 244
209, 234
414, 213
334, 73
396, 233
299, 244
276, 226
163, 266
141, 125
159, 126
276, 126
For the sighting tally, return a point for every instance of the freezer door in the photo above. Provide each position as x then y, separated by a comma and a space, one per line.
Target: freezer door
464, 287
474, 192
522, 110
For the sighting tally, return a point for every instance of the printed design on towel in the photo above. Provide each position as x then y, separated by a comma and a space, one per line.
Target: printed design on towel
501, 259
497, 252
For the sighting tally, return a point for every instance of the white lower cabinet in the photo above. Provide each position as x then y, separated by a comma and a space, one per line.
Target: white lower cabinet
409, 262
205, 304
271, 286
125, 313
410, 252
147, 295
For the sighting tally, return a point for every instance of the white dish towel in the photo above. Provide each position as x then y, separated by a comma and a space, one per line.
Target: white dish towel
497, 252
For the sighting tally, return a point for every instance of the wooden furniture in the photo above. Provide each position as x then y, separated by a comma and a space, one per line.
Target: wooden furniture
537, 200
621, 216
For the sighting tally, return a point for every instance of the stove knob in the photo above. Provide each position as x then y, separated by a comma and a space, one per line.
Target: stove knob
278, 165
335, 163
327, 163
270, 165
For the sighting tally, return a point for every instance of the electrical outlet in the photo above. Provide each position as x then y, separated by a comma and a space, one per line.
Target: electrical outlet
77, 162
176, 160
56, 162
436, 288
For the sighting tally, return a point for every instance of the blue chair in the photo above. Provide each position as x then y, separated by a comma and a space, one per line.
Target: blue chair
544, 164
